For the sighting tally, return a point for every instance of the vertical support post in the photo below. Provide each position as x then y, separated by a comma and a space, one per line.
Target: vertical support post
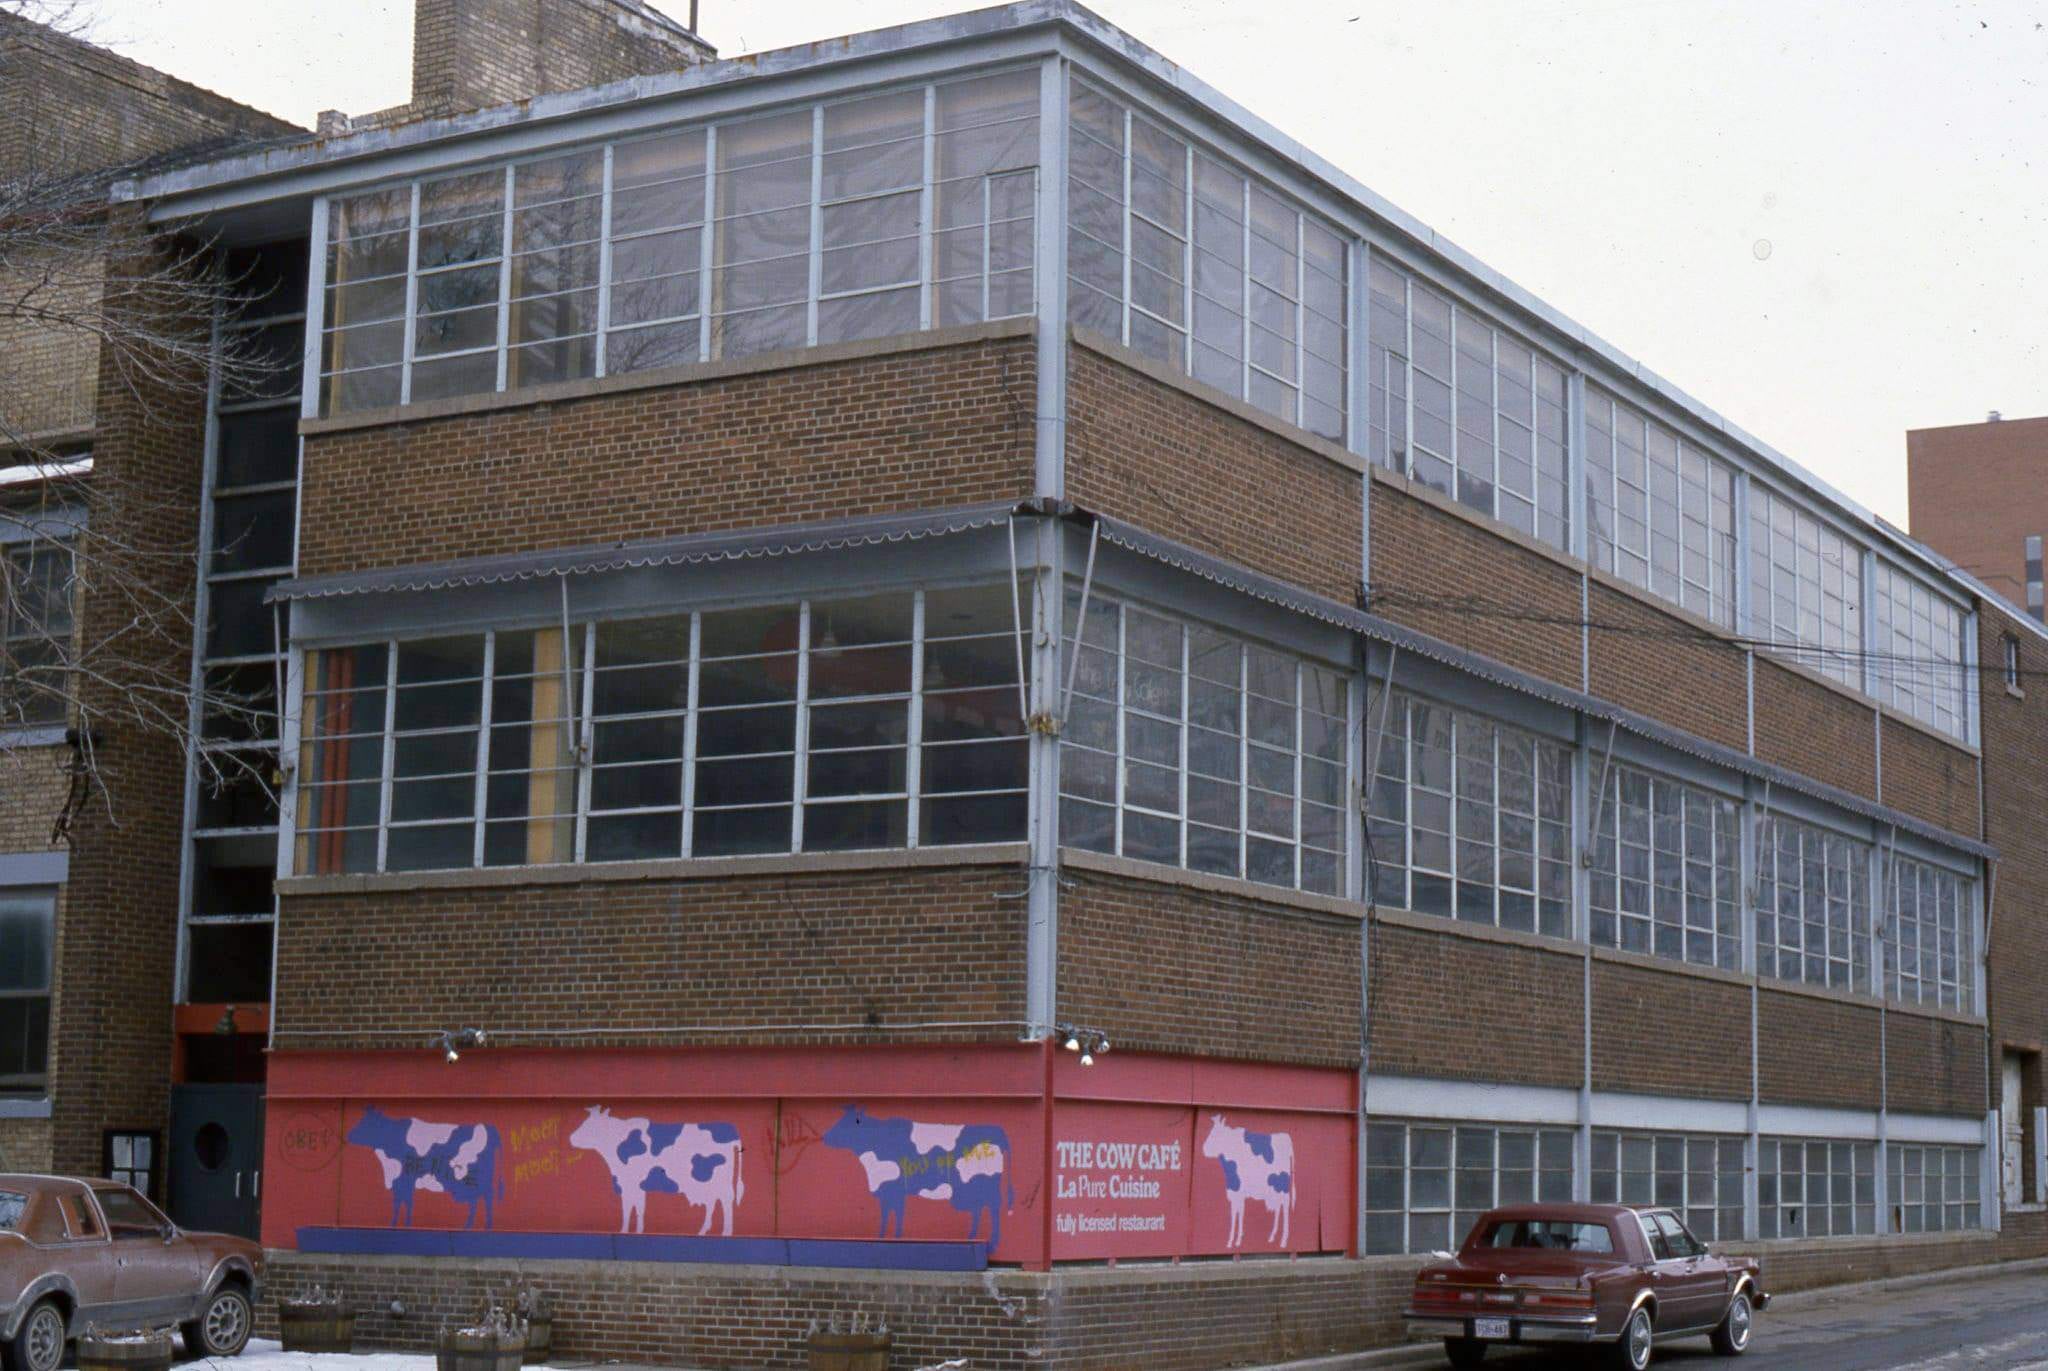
1746, 889
1584, 817
1579, 537
1050, 267
1046, 611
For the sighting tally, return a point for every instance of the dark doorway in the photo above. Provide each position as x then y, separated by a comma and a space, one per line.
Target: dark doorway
216, 1157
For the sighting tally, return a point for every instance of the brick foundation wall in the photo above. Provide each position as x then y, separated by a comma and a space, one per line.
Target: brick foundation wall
1810, 1264
1191, 1317
1656, 1032
24, 1145
1178, 969
927, 428
1452, 1007
804, 948
1148, 451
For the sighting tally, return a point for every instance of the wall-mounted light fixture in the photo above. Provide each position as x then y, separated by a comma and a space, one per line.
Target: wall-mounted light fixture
452, 1041
1089, 1042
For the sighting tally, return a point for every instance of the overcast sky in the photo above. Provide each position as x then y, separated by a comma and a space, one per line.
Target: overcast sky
1827, 219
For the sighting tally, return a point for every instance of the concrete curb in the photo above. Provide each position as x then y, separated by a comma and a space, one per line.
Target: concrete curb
1430, 1354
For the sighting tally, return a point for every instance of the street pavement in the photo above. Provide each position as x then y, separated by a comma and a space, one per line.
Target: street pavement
1959, 1326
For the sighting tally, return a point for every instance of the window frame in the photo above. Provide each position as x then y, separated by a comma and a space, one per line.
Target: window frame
35, 1082
1846, 1164
20, 565
1548, 1182
1671, 1176
1723, 929
710, 268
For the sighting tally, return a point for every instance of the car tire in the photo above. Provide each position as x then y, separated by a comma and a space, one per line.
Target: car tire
1632, 1350
1464, 1352
1731, 1339
223, 1326
38, 1344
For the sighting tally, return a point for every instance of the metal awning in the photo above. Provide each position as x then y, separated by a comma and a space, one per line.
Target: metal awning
688, 550
1279, 593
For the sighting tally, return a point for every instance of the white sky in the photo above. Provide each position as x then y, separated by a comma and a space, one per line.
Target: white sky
1828, 219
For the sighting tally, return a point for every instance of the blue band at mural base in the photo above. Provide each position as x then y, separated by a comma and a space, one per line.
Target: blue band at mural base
649, 1247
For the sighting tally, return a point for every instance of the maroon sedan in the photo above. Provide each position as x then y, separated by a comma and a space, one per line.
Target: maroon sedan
1610, 1276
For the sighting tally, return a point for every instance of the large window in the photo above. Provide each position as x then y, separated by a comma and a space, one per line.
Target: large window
1929, 952
1812, 905
1919, 648
1426, 1184
883, 721
35, 633
1187, 746
27, 935
1806, 587
856, 219
1660, 510
1666, 864
1935, 1189
1471, 818
1697, 1176
1489, 412
1204, 268
1813, 1189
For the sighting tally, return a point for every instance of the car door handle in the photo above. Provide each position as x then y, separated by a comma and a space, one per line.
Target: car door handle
256, 1185
238, 1185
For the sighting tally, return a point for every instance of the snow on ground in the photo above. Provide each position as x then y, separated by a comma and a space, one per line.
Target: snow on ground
266, 1354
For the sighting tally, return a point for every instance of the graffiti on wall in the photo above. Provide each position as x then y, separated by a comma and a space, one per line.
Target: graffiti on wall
965, 1165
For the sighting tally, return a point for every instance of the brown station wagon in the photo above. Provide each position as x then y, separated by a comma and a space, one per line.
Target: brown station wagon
1613, 1277
76, 1254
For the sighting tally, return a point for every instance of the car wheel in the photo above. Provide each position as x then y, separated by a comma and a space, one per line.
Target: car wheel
222, 1328
1464, 1352
39, 1343
1731, 1339
1632, 1349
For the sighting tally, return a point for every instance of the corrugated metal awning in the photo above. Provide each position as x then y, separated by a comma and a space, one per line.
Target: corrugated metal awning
1276, 592
690, 549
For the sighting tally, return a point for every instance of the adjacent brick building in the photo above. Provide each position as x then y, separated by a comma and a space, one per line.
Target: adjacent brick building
1976, 495
936, 677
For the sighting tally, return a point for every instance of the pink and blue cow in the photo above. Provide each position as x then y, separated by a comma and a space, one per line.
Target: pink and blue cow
966, 1164
1256, 1166
699, 1161
459, 1160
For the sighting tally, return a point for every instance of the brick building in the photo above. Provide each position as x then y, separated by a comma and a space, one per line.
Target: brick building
821, 582
1979, 495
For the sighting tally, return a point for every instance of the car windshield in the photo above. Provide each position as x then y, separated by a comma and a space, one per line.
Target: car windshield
1556, 1235
13, 1204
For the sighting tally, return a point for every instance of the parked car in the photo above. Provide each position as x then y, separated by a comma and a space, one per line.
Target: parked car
1616, 1278
81, 1253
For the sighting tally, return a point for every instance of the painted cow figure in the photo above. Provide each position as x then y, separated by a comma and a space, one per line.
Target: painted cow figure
699, 1161
966, 1164
459, 1160
1256, 1166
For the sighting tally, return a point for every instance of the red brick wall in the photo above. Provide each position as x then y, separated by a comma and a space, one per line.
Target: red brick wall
1149, 452
1448, 1006
1438, 573
1975, 493
1806, 727
1662, 1033
1809, 1265
1930, 779
882, 947
924, 429
1813, 1051
1668, 668
1178, 969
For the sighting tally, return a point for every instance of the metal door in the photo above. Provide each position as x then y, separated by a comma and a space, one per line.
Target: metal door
215, 1180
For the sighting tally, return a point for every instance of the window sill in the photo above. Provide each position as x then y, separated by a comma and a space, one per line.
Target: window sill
1485, 933
1131, 868
665, 869
1104, 346
20, 1108
46, 735
786, 359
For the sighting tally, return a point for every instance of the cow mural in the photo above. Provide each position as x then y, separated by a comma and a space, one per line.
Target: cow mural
965, 1164
459, 1160
1256, 1166
699, 1161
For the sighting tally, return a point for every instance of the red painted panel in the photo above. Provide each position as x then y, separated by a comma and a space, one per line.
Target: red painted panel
1120, 1180
1270, 1182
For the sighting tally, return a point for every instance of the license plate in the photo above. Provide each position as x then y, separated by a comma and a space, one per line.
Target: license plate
1490, 1328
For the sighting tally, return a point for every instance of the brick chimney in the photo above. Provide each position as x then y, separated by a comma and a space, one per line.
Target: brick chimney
472, 54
